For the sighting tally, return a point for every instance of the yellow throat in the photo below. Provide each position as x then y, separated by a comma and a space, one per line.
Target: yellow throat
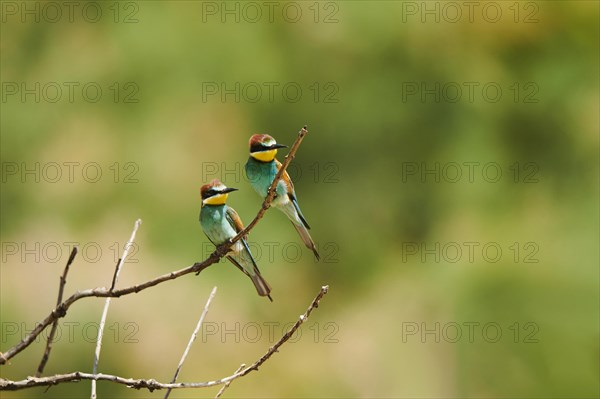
264, 156
216, 200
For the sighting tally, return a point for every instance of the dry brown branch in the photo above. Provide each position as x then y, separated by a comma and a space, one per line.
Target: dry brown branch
220, 252
151, 384
61, 288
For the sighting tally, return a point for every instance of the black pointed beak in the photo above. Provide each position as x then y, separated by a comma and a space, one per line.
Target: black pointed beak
275, 146
228, 190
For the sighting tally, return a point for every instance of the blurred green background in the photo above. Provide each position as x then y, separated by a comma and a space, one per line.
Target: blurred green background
400, 98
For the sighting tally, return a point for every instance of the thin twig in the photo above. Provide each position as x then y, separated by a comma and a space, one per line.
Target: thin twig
152, 384
220, 252
287, 335
227, 384
192, 338
61, 288
107, 303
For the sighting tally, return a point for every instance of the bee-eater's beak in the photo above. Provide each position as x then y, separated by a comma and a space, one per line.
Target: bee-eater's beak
276, 146
228, 190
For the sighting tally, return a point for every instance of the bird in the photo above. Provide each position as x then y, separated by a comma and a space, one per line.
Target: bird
221, 223
261, 168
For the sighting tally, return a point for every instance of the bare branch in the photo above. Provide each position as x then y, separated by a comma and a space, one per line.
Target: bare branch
192, 338
287, 335
107, 303
220, 252
61, 288
152, 384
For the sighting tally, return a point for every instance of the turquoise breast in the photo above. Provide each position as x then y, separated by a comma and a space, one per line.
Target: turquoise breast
261, 175
215, 224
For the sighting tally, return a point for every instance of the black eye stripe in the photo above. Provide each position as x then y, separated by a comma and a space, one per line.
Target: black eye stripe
258, 148
210, 193
261, 147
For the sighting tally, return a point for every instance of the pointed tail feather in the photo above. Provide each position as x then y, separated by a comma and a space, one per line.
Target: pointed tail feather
299, 212
292, 211
310, 244
262, 287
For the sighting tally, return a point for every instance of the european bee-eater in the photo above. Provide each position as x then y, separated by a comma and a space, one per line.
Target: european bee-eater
261, 168
221, 223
